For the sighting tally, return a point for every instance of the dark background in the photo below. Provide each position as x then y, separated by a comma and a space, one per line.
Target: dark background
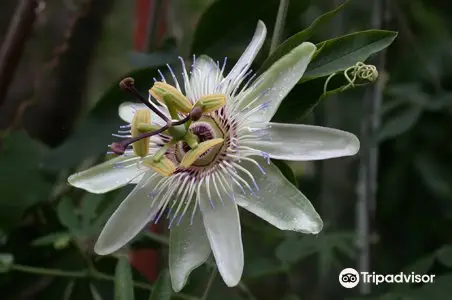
58, 102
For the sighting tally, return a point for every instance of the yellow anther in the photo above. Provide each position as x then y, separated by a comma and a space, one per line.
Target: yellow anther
164, 166
173, 98
141, 147
191, 156
209, 103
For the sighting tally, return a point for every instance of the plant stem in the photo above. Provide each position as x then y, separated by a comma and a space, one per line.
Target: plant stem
279, 24
368, 168
50, 272
212, 277
94, 274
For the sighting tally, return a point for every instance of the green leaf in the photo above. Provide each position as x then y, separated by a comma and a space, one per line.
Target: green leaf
340, 53
162, 289
261, 266
301, 37
89, 206
444, 255
6, 262
22, 184
235, 20
66, 212
293, 249
420, 266
305, 97
57, 239
286, 170
439, 289
92, 137
399, 120
123, 280
434, 174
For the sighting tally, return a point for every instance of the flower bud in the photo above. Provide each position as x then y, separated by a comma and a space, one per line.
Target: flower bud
170, 96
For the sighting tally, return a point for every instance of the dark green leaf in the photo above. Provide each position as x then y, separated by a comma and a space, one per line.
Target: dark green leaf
301, 37
293, 249
6, 262
340, 53
66, 212
305, 97
93, 135
162, 289
235, 20
420, 266
439, 289
123, 280
444, 256
261, 266
435, 175
400, 120
56, 239
22, 182
286, 170
89, 205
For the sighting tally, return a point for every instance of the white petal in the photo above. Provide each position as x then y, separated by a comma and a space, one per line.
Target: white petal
278, 201
223, 229
137, 179
245, 61
304, 142
275, 83
127, 111
108, 176
130, 217
204, 79
189, 248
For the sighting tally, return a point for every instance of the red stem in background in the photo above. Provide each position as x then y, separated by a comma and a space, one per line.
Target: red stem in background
142, 28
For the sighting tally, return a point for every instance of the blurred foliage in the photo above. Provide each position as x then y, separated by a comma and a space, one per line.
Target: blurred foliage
47, 229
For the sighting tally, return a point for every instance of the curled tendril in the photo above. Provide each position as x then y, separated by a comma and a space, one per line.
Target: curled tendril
359, 71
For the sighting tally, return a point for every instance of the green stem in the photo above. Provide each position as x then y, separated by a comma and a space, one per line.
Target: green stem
212, 277
94, 274
279, 24
50, 272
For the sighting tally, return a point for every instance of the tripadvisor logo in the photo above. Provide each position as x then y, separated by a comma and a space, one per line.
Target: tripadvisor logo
349, 278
